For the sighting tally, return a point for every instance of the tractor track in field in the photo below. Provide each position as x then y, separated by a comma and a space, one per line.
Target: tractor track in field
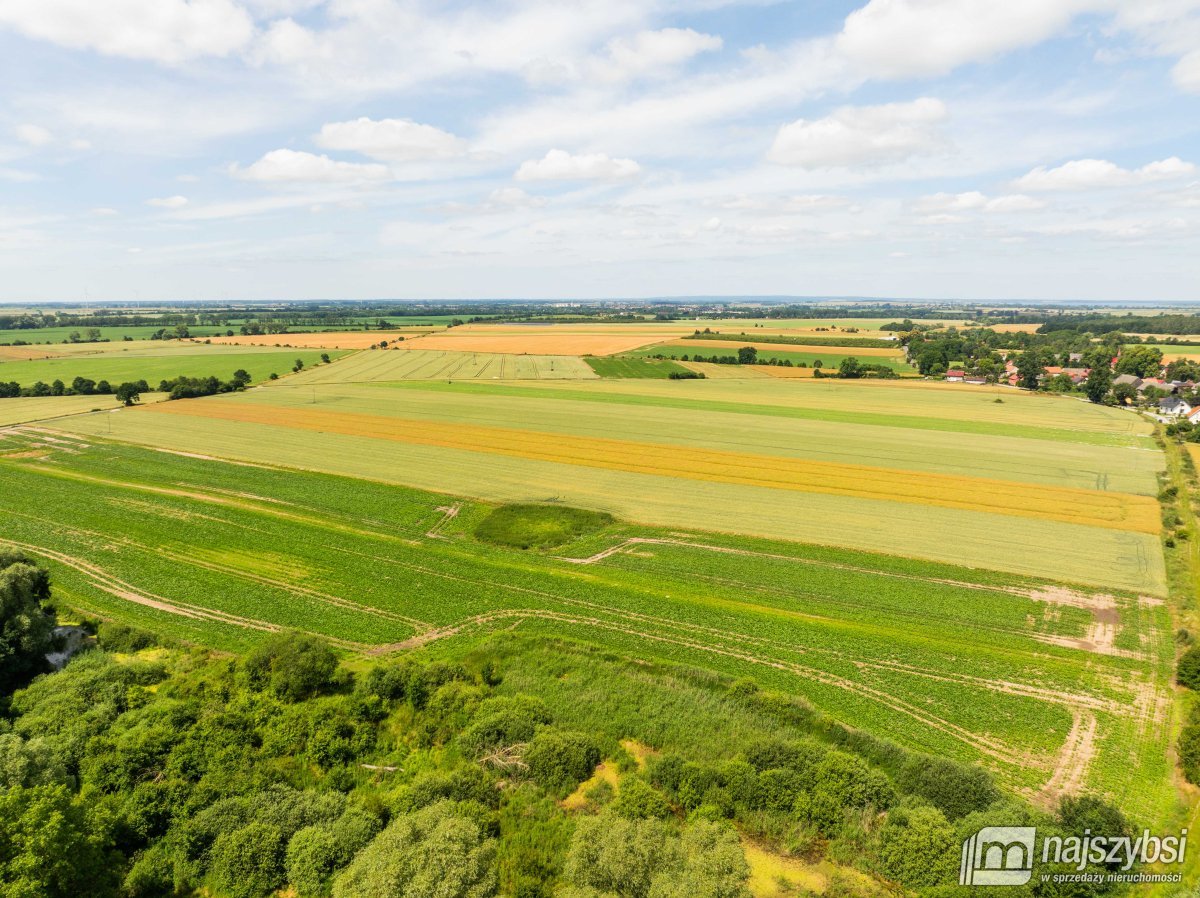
1037, 594
1074, 759
110, 584
324, 598
982, 743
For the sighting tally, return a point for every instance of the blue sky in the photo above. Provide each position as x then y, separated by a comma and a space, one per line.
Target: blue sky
225, 149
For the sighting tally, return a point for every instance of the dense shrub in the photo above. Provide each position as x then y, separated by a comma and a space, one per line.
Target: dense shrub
560, 761
1187, 671
292, 665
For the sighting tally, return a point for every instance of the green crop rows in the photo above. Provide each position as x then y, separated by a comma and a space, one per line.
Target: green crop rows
942, 658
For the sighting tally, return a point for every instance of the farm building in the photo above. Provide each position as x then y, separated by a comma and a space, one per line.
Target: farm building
1132, 379
955, 375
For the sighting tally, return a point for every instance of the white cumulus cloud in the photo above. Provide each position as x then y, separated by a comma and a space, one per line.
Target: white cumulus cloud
390, 139
1187, 72
168, 202
1094, 174
973, 200
33, 135
513, 198
648, 52
168, 31
906, 38
559, 165
294, 166
856, 135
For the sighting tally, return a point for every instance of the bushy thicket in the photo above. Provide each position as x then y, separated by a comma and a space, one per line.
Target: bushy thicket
176, 772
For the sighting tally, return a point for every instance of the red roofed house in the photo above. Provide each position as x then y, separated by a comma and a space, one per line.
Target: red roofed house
955, 375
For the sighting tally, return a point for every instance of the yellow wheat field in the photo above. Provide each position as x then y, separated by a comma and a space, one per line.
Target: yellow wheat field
1070, 505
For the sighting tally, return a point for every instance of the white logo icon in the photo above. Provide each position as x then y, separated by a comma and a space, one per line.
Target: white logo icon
998, 856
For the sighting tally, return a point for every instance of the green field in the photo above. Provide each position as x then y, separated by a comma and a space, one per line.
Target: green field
966, 663
421, 364
621, 367
113, 334
154, 362
517, 444
828, 359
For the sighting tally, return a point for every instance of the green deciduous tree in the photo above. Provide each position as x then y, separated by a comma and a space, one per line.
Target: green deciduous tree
1029, 369
918, 847
1143, 361
1187, 671
26, 629
561, 761
248, 862
637, 799
128, 393
431, 853
1098, 383
292, 665
54, 845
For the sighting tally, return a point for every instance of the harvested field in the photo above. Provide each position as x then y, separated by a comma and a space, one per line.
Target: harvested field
24, 410
533, 340
786, 373
395, 365
727, 372
1014, 328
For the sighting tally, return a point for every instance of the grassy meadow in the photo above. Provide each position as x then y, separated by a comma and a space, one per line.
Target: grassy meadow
972, 664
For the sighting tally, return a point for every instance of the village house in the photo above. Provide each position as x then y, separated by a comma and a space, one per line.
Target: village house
1193, 416
1173, 407
955, 375
1132, 379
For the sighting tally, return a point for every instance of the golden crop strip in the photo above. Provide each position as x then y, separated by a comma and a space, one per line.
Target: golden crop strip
1117, 511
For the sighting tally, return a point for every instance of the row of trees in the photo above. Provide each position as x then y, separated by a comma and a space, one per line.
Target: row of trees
80, 386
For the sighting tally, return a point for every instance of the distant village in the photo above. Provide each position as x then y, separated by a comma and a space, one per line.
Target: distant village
1169, 399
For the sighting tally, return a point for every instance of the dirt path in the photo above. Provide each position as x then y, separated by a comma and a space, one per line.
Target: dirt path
449, 513
1070, 771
